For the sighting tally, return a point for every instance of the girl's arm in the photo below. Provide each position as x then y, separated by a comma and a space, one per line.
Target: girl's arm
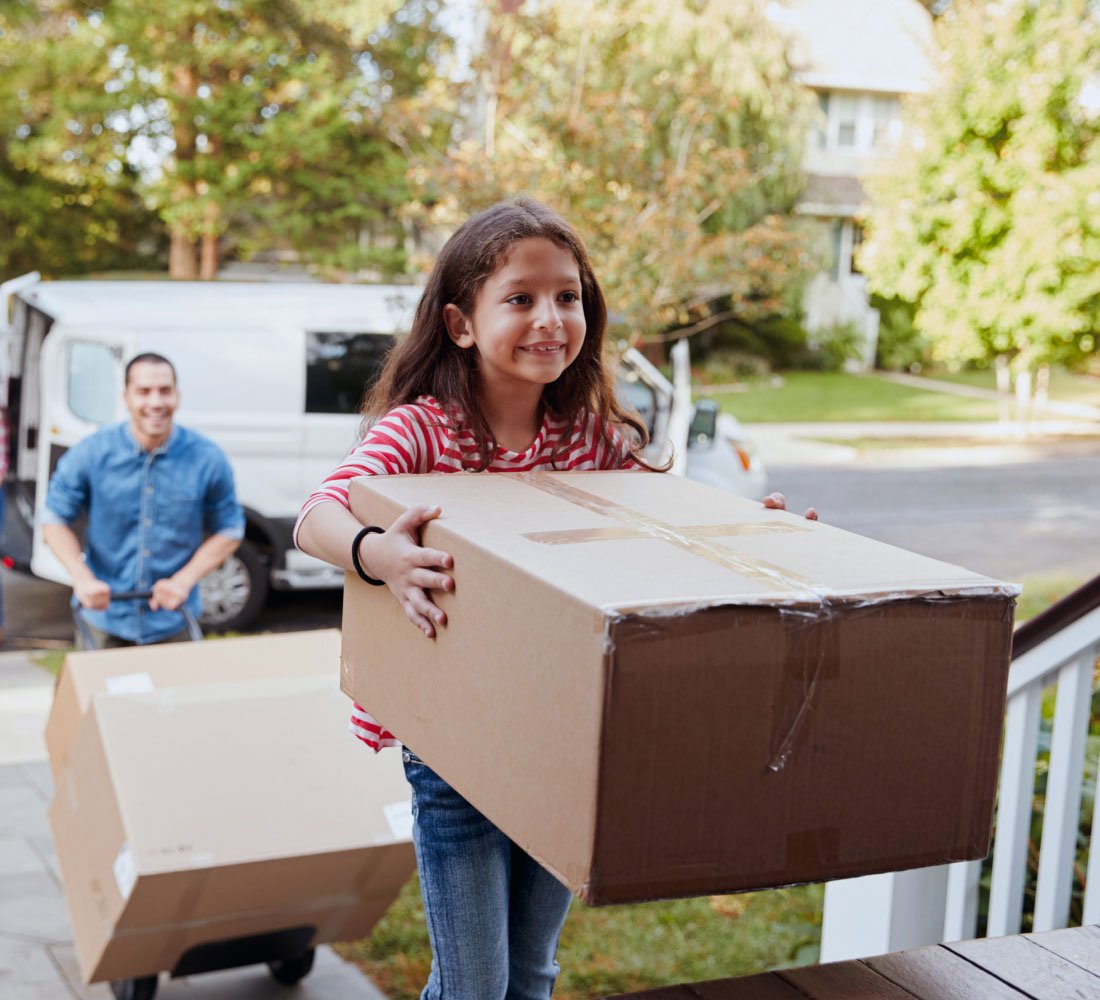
396, 556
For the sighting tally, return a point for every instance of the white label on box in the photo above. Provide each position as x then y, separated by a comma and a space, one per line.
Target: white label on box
400, 818
129, 684
125, 871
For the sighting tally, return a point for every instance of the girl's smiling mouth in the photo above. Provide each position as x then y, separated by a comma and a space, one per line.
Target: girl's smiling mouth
548, 347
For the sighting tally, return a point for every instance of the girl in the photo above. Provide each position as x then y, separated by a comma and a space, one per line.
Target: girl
502, 371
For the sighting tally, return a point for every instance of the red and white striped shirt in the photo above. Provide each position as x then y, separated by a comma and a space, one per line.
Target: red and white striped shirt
420, 438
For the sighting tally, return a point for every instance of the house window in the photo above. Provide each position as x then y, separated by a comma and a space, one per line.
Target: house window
821, 125
858, 123
340, 368
846, 115
885, 121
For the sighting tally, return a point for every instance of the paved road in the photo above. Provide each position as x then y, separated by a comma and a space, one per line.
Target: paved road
1010, 519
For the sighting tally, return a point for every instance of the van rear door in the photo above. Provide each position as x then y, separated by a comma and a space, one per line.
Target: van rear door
79, 381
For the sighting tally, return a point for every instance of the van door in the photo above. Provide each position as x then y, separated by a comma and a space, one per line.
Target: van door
79, 389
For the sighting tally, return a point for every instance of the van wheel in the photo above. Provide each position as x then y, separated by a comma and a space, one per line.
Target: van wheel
288, 971
144, 988
233, 595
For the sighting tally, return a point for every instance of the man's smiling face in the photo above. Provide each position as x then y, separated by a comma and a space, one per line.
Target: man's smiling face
151, 397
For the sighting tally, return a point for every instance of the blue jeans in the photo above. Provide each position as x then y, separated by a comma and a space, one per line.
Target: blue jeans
494, 914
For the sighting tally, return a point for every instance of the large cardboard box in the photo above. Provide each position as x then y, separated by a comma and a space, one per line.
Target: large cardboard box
658, 689
136, 669
198, 815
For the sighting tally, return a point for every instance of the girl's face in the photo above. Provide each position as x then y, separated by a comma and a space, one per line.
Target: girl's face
527, 324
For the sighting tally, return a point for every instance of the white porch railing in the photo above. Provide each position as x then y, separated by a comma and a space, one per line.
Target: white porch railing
884, 913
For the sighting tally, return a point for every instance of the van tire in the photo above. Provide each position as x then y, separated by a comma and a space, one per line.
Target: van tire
234, 594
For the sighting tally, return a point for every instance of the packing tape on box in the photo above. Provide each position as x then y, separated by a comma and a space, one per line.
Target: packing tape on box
696, 540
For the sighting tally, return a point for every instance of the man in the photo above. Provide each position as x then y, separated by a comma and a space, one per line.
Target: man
162, 513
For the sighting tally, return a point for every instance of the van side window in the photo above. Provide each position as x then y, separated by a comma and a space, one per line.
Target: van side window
340, 367
93, 381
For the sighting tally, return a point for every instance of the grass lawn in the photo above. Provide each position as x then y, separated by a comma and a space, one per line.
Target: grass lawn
622, 948
810, 397
1065, 387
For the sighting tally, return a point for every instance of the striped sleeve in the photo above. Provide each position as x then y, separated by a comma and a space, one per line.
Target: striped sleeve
406, 439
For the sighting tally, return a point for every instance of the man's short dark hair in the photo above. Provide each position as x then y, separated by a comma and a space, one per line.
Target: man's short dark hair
149, 358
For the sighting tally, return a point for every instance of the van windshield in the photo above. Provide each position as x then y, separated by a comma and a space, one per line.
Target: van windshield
341, 367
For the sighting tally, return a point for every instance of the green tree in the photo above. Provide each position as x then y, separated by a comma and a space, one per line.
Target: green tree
989, 221
54, 218
249, 120
671, 135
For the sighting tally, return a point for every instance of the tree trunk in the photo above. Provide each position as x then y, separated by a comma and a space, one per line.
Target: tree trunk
182, 256
182, 262
209, 257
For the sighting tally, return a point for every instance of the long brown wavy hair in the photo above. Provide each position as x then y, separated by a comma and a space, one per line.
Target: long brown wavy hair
427, 362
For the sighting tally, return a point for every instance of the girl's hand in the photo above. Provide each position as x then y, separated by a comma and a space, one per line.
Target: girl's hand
410, 570
776, 501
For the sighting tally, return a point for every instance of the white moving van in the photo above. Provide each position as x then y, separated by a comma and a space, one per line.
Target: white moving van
274, 373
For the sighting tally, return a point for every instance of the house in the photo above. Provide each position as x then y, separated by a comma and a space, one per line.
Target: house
860, 57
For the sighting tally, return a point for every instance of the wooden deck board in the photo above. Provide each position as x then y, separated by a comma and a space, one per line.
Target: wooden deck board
939, 974
1032, 969
1080, 945
1054, 965
763, 987
843, 979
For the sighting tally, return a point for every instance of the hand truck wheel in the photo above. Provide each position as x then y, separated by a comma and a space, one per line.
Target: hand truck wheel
144, 988
288, 971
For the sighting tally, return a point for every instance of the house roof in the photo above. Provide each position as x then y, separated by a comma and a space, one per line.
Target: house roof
832, 196
885, 46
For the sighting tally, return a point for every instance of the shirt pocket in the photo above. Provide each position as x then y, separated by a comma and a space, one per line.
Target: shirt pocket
179, 512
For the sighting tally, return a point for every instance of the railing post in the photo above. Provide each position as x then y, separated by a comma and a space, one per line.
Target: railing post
1017, 785
961, 919
877, 914
1062, 807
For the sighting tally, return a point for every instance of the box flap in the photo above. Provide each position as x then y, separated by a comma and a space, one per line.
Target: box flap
605, 539
135, 669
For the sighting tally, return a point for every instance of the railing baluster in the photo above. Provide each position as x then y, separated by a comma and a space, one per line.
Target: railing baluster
1063, 794
961, 919
1091, 913
1006, 898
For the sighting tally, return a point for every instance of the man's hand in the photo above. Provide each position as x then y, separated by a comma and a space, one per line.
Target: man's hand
776, 501
168, 594
92, 593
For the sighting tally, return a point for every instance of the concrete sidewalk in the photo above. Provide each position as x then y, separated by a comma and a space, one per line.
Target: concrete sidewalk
37, 958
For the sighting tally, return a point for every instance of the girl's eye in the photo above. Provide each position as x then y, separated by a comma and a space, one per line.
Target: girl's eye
570, 297
520, 300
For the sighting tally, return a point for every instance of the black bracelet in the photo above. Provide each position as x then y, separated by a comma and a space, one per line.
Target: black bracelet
355, 555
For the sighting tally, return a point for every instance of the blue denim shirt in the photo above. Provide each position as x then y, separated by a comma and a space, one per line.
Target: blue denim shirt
148, 511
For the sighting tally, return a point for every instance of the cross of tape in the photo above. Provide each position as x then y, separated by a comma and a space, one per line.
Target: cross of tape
697, 539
